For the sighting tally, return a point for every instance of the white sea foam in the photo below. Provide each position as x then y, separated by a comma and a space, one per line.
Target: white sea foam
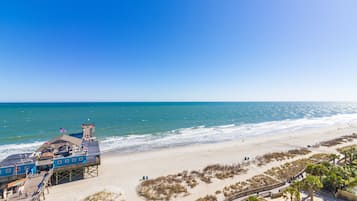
8, 149
200, 134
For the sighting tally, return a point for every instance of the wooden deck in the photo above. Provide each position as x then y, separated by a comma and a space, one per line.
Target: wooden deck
34, 187
72, 157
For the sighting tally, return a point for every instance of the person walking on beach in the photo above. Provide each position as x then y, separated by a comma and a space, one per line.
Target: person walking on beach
5, 194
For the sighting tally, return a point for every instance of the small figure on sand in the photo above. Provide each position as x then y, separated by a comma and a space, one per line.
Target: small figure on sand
145, 178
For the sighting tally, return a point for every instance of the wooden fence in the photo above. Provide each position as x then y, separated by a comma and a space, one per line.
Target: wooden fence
254, 191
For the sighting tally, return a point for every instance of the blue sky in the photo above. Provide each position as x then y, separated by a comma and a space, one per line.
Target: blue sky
178, 50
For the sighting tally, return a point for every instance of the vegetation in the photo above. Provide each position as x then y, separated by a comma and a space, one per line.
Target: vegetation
291, 193
320, 174
255, 182
208, 198
164, 188
349, 154
332, 177
346, 148
320, 158
332, 182
334, 157
222, 171
288, 170
339, 140
311, 184
104, 196
252, 198
316, 170
279, 156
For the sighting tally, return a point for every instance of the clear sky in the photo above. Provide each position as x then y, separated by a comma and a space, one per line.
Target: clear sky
165, 50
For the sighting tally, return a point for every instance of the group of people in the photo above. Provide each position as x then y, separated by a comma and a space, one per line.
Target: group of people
145, 178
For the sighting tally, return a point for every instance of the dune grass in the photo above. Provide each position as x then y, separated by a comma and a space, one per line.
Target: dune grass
346, 148
340, 140
172, 186
104, 196
208, 198
280, 156
164, 188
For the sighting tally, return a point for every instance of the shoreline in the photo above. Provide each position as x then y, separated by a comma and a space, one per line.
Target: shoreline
248, 139
337, 126
122, 172
195, 136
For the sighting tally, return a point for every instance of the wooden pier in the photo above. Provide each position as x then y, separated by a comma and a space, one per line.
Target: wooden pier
64, 159
74, 173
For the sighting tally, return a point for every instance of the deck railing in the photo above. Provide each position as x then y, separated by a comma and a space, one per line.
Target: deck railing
42, 186
254, 191
68, 161
16, 169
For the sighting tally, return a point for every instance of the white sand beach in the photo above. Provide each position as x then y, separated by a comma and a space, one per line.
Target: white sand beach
122, 172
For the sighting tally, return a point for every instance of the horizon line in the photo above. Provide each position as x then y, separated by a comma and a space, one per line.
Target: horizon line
183, 101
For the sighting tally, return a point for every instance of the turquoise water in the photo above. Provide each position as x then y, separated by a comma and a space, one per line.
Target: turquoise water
142, 126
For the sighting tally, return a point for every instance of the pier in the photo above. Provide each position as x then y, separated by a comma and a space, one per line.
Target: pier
66, 158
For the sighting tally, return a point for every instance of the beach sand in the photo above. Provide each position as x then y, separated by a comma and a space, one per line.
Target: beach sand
122, 172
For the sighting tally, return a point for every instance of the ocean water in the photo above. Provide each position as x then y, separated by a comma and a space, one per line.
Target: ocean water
136, 126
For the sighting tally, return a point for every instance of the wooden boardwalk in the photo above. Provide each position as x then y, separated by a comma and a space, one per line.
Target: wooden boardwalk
34, 187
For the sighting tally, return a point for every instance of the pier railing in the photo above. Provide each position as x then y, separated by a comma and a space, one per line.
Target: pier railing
68, 161
16, 169
42, 186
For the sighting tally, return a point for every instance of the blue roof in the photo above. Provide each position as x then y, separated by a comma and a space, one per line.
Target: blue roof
17, 159
77, 135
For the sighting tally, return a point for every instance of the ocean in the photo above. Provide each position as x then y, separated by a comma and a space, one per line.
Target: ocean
140, 126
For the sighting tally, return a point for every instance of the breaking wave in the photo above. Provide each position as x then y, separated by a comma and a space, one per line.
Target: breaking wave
204, 135
9, 149
200, 135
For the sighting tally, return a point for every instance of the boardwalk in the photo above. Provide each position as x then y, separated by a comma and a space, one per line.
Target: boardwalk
34, 187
